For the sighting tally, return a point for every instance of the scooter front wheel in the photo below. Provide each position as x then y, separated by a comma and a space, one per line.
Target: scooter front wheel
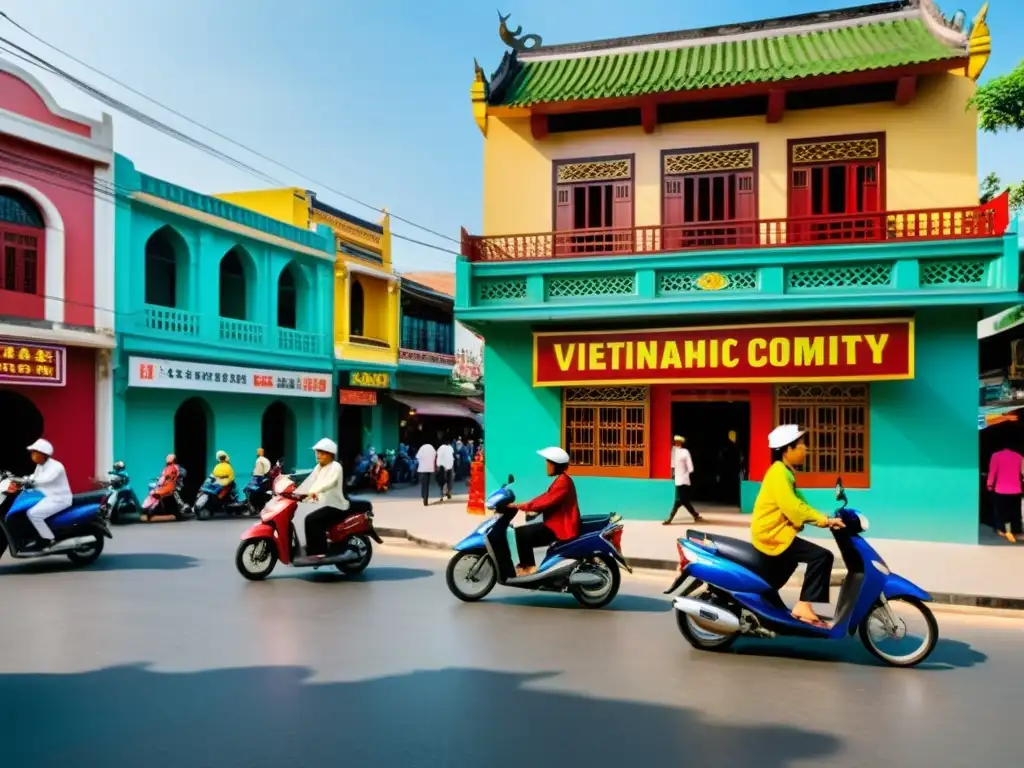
87, 554
888, 636
256, 558
471, 576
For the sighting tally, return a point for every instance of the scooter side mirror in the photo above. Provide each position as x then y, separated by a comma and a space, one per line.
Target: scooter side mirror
511, 480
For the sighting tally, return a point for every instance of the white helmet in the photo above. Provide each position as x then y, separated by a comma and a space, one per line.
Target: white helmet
327, 446
784, 434
41, 446
222, 456
555, 455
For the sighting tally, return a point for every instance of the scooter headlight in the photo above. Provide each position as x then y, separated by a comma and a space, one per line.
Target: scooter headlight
863, 521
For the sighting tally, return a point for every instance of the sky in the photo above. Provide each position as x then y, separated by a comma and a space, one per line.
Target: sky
369, 98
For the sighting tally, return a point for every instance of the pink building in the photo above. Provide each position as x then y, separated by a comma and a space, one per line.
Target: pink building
56, 279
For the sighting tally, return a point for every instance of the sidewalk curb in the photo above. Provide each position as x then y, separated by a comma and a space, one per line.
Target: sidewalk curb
984, 604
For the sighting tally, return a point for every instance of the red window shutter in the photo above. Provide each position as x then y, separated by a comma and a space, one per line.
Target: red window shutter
746, 209
622, 215
799, 205
871, 196
862, 197
672, 215
563, 219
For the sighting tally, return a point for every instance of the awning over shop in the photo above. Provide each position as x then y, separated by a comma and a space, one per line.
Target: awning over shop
475, 403
436, 406
990, 415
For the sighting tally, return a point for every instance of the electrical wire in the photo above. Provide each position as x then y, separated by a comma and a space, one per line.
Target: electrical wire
93, 91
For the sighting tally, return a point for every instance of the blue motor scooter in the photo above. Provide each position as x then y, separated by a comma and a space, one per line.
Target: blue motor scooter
79, 530
727, 594
209, 500
587, 566
120, 504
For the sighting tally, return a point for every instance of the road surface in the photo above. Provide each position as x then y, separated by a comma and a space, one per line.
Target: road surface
162, 655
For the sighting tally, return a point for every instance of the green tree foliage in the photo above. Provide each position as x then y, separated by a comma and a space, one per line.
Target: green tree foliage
1000, 102
991, 187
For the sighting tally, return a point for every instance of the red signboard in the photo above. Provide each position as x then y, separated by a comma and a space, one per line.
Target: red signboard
23, 362
814, 351
357, 397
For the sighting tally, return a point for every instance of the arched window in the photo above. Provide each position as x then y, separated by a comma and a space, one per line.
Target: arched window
163, 250
22, 232
287, 299
355, 309
232, 286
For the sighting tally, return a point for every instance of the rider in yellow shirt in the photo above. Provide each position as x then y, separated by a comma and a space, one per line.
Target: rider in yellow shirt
780, 512
224, 473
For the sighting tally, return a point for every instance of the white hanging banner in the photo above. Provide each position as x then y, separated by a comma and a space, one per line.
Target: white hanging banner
157, 373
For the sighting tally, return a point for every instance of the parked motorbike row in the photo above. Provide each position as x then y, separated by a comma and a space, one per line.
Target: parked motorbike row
723, 583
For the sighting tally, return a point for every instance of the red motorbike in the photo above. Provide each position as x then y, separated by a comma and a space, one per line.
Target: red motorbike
275, 538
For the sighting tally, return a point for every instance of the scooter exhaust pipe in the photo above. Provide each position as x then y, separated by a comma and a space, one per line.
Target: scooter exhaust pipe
707, 616
587, 579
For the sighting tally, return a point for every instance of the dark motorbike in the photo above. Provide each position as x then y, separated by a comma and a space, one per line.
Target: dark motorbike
258, 491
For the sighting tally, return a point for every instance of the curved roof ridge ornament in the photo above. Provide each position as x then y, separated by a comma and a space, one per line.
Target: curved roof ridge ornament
516, 40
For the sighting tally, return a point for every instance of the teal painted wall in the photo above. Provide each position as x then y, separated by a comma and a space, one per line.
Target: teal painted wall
380, 426
235, 427
924, 438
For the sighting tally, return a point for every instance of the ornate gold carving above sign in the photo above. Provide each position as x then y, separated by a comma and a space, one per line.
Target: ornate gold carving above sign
516, 40
347, 228
712, 281
712, 160
595, 170
836, 151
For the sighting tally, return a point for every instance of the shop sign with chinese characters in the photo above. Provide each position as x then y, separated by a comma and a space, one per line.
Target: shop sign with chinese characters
813, 351
357, 397
28, 363
373, 379
179, 374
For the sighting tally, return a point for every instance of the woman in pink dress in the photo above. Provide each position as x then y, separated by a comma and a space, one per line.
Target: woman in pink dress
1004, 481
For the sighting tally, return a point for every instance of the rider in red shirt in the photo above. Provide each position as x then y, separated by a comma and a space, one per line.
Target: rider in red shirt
559, 507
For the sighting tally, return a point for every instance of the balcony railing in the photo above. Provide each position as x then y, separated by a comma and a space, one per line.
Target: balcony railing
241, 332
168, 320
988, 220
291, 340
431, 358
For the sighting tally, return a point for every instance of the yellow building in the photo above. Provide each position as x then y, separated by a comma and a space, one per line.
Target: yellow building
366, 305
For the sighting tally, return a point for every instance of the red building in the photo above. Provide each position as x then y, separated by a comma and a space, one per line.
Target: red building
56, 279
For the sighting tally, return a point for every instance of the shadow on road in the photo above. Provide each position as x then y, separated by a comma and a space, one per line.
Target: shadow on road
382, 573
271, 716
948, 654
622, 603
119, 561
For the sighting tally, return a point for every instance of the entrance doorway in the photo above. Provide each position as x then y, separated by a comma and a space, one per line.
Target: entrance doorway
191, 437
23, 425
278, 434
718, 463
350, 434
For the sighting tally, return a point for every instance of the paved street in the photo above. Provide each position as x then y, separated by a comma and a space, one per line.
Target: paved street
161, 655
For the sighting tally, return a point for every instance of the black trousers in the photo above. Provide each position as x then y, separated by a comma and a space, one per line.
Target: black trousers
444, 481
683, 500
1006, 509
425, 486
318, 523
819, 569
529, 537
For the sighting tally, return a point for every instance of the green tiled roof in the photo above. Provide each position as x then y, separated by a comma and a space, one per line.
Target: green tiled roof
829, 51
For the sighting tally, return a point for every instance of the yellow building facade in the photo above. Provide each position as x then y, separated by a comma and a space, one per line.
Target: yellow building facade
366, 296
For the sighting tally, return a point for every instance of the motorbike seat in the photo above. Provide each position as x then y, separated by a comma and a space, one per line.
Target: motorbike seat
738, 551
88, 497
593, 523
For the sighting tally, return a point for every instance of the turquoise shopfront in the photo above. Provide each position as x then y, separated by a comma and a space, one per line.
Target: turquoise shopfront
224, 342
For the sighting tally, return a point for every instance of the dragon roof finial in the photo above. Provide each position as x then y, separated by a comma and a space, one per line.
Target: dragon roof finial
516, 40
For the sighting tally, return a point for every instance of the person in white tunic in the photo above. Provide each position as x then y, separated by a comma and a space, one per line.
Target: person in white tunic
51, 480
262, 467
325, 485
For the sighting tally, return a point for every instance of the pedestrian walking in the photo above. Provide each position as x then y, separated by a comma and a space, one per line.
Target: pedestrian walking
426, 457
1004, 482
445, 469
682, 468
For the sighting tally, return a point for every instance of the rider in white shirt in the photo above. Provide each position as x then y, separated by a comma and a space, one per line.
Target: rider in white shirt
51, 480
262, 467
325, 484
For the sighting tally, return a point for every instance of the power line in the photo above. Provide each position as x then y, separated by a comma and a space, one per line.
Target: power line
55, 70
110, 191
